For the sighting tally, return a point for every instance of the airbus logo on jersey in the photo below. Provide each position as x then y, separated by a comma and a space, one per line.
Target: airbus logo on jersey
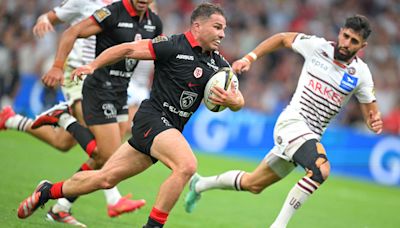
325, 90
212, 66
348, 82
125, 25
185, 57
149, 27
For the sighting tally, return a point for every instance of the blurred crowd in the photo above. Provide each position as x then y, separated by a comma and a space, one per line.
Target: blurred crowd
271, 81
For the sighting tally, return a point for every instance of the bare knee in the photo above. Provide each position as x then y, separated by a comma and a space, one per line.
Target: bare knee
99, 158
186, 170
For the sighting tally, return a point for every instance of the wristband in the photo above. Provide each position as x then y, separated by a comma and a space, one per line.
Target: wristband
250, 57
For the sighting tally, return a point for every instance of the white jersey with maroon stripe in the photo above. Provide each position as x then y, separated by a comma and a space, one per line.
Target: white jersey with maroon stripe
325, 86
72, 12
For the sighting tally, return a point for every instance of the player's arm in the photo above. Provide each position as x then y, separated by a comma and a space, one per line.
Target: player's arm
83, 29
135, 50
45, 23
277, 41
372, 116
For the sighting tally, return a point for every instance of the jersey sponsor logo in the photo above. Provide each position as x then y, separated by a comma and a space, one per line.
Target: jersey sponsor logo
125, 25
198, 72
109, 110
119, 73
305, 37
159, 39
150, 28
176, 111
130, 64
101, 14
166, 122
319, 64
215, 68
348, 82
325, 90
187, 99
185, 57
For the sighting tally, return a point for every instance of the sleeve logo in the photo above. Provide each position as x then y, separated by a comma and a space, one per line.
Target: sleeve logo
101, 14
159, 39
348, 82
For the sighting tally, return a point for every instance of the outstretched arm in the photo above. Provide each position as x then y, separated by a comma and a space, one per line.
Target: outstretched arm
269, 45
135, 50
45, 23
85, 28
372, 117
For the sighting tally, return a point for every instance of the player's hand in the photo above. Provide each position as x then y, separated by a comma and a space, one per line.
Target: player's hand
375, 122
53, 78
42, 27
241, 65
81, 72
232, 98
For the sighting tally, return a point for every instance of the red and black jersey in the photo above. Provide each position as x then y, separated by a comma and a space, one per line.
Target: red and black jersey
120, 23
182, 71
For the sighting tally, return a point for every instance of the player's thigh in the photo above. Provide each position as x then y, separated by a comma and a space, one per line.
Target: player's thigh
171, 148
125, 162
107, 137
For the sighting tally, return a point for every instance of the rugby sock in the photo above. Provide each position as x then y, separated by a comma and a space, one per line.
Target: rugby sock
83, 136
56, 190
296, 197
62, 205
18, 122
112, 195
228, 180
156, 219
66, 120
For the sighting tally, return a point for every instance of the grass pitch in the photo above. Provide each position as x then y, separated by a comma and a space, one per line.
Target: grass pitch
24, 161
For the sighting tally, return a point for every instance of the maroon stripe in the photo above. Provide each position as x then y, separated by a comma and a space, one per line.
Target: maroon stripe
310, 183
290, 141
305, 188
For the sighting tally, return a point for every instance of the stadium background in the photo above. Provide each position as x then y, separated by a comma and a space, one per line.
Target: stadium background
354, 152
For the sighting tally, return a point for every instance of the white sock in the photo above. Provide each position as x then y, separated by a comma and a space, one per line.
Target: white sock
296, 197
18, 122
62, 205
228, 180
112, 195
66, 120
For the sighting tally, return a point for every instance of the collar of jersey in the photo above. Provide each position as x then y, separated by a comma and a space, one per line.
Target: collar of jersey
193, 42
131, 10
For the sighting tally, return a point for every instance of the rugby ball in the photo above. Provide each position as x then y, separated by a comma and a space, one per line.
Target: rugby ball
222, 78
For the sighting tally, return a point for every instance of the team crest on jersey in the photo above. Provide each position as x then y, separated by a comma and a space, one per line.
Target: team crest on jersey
198, 72
351, 70
187, 99
159, 39
348, 82
130, 64
101, 14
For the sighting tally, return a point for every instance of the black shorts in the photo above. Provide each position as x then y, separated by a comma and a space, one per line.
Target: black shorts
103, 106
147, 124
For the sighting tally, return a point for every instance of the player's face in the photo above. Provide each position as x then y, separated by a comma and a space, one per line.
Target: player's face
349, 43
211, 32
141, 5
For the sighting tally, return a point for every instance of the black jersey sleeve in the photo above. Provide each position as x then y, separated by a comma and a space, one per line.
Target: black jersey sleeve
163, 48
106, 16
220, 60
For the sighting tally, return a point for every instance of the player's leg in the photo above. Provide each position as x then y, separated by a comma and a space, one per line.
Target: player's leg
312, 157
179, 157
269, 171
56, 137
124, 163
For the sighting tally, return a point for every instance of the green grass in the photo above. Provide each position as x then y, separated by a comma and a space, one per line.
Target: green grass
24, 161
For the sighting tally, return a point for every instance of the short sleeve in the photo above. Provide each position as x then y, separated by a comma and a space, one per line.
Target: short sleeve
162, 48
366, 92
306, 44
68, 10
